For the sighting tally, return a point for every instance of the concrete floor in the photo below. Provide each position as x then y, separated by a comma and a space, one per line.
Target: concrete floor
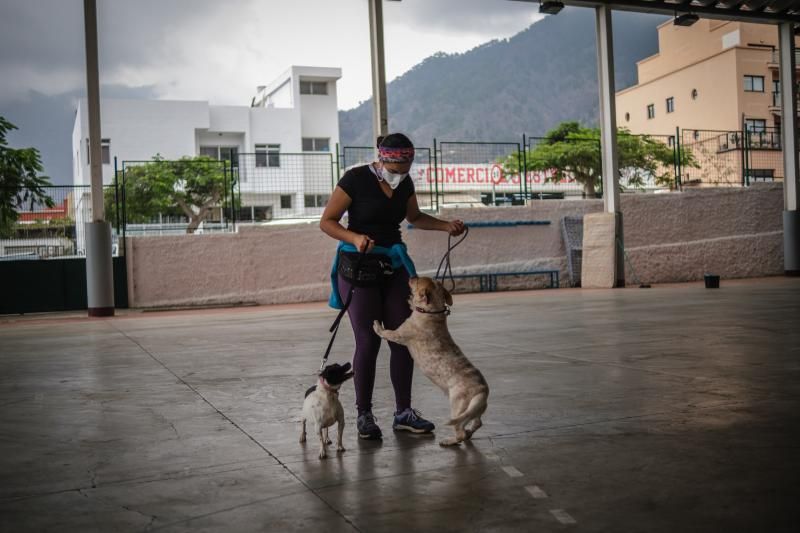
669, 409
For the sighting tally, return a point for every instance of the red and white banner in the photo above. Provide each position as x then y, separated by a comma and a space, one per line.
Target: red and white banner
486, 177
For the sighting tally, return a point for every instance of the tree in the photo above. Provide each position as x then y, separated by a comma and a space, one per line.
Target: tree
192, 186
20, 182
571, 151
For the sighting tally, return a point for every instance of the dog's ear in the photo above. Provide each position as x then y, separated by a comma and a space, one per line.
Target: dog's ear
424, 295
346, 367
448, 298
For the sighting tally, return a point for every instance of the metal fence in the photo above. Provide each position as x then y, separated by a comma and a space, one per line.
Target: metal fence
580, 163
421, 170
732, 158
172, 197
763, 155
278, 186
719, 158
475, 173
160, 197
52, 226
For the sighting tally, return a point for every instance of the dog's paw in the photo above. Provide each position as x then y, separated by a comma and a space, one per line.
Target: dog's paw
323, 455
378, 328
302, 439
449, 442
340, 449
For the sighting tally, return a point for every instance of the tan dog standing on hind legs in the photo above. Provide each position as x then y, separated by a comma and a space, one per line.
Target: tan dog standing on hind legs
428, 340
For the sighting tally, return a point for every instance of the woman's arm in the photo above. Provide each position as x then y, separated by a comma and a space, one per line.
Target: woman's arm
425, 221
329, 223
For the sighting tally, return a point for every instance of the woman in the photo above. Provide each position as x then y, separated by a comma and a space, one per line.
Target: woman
377, 197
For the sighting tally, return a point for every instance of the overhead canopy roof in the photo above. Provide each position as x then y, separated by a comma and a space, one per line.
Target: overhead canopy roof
746, 10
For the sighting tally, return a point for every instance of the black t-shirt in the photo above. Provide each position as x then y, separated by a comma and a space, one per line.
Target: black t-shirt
371, 212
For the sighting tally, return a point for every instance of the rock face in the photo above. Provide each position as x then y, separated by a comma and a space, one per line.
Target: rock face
668, 238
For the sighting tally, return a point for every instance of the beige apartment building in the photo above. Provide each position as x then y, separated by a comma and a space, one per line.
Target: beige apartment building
712, 79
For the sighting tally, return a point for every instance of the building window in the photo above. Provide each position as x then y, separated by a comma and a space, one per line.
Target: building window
670, 104
315, 144
671, 141
222, 153
316, 200
268, 155
210, 151
627, 117
105, 151
286, 201
694, 94
754, 84
756, 125
651, 111
760, 175
262, 213
313, 87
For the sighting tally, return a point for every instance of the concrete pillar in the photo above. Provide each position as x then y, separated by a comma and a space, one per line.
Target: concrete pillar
791, 183
608, 135
99, 265
380, 119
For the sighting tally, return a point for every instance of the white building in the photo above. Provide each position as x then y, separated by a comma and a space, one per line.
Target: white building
282, 145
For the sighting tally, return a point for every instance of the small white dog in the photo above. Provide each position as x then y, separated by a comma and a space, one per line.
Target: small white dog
441, 360
322, 406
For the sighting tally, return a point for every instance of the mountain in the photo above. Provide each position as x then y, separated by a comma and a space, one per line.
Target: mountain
504, 88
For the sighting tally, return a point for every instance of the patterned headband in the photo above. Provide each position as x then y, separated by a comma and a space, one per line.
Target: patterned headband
395, 155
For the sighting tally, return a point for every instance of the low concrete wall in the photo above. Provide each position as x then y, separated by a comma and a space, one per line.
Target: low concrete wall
668, 237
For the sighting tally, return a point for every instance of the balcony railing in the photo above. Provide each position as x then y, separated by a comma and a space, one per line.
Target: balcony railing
776, 99
776, 57
766, 139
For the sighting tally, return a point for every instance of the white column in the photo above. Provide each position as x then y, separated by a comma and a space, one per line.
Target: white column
93, 93
608, 131
608, 119
99, 265
791, 169
380, 120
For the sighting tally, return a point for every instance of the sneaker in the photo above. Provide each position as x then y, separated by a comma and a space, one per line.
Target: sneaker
367, 428
411, 420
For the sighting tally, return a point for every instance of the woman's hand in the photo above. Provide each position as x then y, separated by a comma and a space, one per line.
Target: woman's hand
455, 227
363, 243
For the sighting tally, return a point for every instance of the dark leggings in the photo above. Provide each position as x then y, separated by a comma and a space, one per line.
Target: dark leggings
389, 305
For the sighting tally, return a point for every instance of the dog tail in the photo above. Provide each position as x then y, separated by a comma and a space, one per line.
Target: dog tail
476, 407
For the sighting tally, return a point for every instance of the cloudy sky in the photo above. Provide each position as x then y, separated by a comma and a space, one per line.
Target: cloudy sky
215, 50
220, 51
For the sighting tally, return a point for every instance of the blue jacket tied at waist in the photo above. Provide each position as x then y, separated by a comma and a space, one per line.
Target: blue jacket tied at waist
397, 253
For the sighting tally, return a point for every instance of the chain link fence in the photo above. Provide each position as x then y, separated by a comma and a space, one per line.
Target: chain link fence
763, 155
421, 170
173, 197
279, 186
568, 168
52, 225
202, 195
479, 173
719, 156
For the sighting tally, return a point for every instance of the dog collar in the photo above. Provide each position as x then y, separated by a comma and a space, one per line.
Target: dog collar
445, 311
327, 387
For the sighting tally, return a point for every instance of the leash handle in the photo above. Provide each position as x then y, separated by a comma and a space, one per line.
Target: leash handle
334, 329
448, 269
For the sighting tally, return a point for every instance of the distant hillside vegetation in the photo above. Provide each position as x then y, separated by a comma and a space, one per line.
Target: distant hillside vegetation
495, 92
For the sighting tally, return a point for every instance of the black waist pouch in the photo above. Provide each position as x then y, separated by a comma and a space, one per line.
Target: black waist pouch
372, 272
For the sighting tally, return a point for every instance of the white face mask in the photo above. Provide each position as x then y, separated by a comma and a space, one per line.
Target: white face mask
392, 179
